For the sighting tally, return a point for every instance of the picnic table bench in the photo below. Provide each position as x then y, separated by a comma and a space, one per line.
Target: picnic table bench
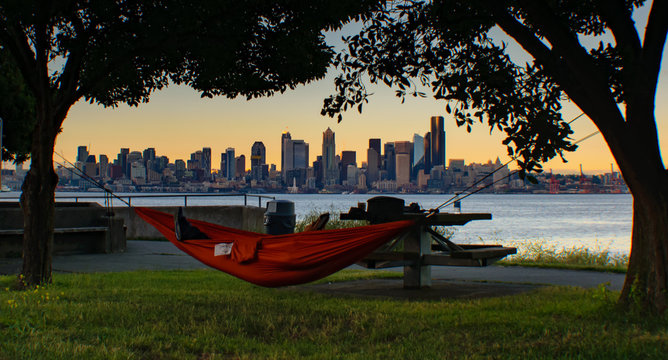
423, 247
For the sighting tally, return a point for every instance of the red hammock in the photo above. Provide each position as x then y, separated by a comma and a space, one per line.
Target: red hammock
277, 260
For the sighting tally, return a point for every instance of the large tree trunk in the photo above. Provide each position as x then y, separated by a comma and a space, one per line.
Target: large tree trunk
646, 283
38, 203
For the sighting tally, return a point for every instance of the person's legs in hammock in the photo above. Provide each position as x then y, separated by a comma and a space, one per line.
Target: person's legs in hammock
184, 230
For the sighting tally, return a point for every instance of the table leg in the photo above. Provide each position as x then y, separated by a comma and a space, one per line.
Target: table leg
417, 275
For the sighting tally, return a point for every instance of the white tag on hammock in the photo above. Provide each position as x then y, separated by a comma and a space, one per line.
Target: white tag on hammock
222, 249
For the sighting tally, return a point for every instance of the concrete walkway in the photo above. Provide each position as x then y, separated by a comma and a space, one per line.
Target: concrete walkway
162, 255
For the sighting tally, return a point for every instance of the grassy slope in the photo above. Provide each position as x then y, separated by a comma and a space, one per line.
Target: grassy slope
210, 315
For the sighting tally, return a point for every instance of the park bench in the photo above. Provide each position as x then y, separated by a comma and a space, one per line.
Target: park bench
79, 228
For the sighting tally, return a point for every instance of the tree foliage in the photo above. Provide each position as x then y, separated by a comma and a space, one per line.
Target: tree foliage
17, 110
120, 51
446, 46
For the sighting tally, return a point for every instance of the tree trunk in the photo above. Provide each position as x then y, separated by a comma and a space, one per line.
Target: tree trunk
646, 284
38, 204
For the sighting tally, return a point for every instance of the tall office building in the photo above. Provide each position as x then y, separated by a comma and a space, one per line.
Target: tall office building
330, 168
418, 155
389, 161
240, 166
437, 141
347, 158
123, 161
206, 162
223, 165
230, 163
148, 156
294, 157
258, 154
427, 152
259, 169
372, 166
82, 154
103, 166
375, 144
286, 147
403, 162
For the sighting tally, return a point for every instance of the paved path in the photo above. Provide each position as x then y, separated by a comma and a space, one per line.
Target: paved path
162, 255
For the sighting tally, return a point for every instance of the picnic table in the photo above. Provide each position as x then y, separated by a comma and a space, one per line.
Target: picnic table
423, 247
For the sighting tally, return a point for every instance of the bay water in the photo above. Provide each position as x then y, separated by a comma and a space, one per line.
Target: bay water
592, 221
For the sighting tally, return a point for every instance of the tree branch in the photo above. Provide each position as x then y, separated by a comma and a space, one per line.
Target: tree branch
655, 40
618, 19
17, 43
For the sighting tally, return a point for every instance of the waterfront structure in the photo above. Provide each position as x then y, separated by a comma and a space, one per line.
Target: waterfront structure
329, 166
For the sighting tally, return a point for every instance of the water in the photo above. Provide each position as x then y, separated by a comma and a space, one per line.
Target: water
593, 221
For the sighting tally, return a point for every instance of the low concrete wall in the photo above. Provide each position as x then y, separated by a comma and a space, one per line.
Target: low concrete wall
67, 215
250, 218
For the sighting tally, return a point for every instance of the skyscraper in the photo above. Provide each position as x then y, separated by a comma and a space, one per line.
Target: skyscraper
330, 169
437, 141
206, 162
375, 144
286, 152
230, 163
259, 170
427, 152
240, 166
390, 161
372, 166
418, 155
258, 154
123, 161
347, 158
403, 162
82, 154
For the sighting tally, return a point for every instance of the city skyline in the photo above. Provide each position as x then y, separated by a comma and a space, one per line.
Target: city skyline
177, 120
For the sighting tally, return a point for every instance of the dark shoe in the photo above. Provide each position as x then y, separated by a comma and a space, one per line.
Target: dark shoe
184, 230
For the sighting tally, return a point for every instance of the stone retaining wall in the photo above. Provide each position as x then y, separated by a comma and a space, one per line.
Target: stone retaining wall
250, 218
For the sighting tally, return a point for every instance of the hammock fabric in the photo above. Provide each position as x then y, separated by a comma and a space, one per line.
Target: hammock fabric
277, 260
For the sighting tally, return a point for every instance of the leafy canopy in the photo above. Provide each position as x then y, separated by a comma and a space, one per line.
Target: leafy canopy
446, 46
121, 51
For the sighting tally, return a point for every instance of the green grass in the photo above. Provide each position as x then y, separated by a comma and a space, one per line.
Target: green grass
209, 315
539, 255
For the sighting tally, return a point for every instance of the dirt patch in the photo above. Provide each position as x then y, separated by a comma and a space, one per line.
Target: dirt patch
440, 289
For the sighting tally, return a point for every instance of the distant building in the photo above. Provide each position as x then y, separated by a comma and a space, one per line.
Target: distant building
437, 141
389, 161
259, 168
375, 144
330, 168
418, 156
240, 166
206, 162
230, 163
82, 154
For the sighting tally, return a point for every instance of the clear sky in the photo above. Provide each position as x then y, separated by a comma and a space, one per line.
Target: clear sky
177, 122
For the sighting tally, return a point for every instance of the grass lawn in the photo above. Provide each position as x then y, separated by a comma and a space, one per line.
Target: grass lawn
206, 314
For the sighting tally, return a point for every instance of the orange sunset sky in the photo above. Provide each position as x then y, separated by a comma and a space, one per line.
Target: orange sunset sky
177, 122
